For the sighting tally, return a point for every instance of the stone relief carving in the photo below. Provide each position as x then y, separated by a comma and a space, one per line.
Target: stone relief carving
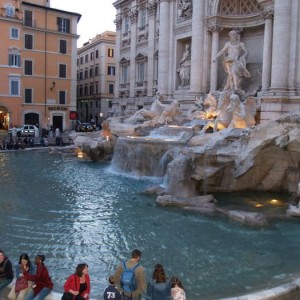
185, 8
184, 69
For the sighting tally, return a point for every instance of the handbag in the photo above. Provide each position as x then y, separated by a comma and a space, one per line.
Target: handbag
21, 284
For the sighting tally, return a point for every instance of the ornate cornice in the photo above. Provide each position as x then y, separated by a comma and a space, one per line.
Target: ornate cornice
235, 21
267, 14
214, 28
118, 22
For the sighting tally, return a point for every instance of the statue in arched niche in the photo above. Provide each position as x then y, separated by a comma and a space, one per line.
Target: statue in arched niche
184, 70
234, 62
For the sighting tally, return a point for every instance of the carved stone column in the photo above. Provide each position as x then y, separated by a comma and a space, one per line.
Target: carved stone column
151, 9
214, 50
197, 50
163, 47
281, 46
133, 27
267, 54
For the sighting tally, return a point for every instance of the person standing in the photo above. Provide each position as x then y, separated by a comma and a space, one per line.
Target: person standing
111, 292
6, 271
138, 286
78, 286
159, 288
42, 281
22, 286
177, 289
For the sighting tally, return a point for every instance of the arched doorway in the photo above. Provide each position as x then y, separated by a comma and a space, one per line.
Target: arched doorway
4, 119
31, 119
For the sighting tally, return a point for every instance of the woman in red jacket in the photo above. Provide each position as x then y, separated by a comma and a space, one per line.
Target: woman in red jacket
42, 282
77, 286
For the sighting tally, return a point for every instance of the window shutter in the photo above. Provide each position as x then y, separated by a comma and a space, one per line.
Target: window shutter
67, 25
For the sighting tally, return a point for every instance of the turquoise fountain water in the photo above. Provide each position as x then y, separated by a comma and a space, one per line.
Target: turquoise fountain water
74, 211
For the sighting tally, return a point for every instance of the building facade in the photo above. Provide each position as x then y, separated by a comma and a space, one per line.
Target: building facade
170, 46
96, 72
37, 64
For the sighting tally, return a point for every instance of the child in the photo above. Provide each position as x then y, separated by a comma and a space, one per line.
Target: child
177, 289
111, 291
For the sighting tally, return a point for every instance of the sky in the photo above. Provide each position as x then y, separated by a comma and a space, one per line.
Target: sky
96, 16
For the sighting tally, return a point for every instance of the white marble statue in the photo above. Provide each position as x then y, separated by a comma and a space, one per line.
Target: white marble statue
243, 113
184, 69
223, 116
234, 62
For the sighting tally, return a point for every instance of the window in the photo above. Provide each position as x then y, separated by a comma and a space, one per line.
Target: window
28, 67
86, 91
126, 24
92, 55
81, 90
86, 74
62, 71
14, 86
111, 88
110, 52
14, 33
124, 74
91, 89
96, 88
142, 18
111, 70
28, 41
141, 72
81, 75
81, 60
91, 72
28, 18
96, 70
62, 97
28, 96
9, 10
63, 25
62, 46
86, 58
97, 53
14, 60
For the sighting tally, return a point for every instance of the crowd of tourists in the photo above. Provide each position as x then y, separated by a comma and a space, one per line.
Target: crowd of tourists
129, 282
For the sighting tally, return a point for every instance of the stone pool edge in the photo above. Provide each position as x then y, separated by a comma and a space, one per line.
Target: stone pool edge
288, 291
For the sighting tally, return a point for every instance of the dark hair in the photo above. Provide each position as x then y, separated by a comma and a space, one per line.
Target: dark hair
159, 275
41, 257
80, 268
1, 251
111, 279
26, 257
176, 282
136, 253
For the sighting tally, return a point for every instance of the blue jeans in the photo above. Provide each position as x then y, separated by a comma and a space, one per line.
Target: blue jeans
4, 283
40, 296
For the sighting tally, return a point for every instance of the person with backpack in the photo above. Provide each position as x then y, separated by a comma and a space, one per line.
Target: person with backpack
130, 277
159, 287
